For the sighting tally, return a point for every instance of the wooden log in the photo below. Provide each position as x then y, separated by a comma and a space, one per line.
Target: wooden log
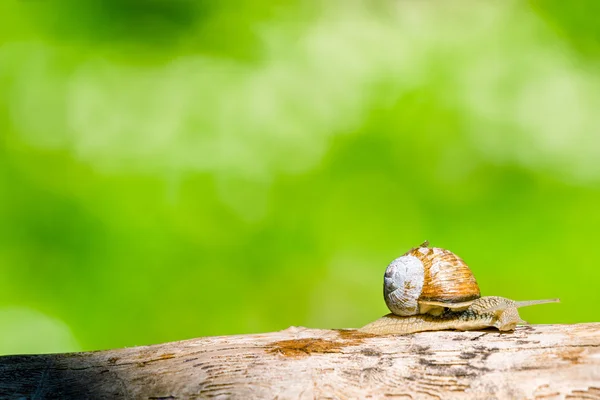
533, 362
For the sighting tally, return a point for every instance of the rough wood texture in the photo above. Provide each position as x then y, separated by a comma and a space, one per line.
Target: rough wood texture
533, 362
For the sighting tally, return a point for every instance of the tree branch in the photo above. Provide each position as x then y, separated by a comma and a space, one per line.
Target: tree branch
540, 361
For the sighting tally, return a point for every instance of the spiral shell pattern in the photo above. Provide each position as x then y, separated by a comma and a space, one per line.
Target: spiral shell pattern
425, 274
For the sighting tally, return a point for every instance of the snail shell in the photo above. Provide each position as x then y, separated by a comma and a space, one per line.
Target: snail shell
428, 280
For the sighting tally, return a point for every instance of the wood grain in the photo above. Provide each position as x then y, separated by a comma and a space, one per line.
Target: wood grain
533, 362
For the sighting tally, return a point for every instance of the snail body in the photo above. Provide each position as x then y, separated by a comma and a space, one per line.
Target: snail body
485, 312
430, 289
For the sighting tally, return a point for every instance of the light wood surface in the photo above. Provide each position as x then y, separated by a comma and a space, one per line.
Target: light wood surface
533, 362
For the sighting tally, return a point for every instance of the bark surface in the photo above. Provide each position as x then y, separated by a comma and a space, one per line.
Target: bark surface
533, 362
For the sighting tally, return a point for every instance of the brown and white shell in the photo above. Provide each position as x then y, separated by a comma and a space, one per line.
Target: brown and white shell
428, 280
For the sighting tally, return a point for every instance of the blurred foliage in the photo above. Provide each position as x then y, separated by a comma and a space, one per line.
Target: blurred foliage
175, 168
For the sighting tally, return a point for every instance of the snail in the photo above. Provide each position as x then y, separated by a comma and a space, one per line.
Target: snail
430, 289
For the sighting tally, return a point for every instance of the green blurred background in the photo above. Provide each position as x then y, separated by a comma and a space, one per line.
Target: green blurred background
178, 168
